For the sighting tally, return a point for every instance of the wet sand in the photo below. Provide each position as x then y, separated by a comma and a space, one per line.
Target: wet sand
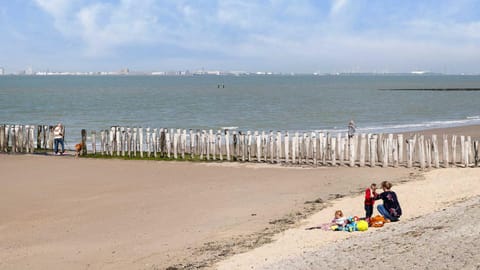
66, 213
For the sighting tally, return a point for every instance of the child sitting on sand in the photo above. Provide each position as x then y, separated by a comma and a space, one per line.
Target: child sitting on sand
339, 222
370, 195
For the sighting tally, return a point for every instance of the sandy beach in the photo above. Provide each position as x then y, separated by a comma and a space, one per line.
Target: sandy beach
67, 213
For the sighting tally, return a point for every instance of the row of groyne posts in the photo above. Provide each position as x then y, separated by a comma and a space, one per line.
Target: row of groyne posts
306, 148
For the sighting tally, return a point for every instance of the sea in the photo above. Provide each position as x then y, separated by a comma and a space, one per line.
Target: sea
251, 102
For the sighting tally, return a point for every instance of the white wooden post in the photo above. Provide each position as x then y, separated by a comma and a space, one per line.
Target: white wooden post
395, 152
27, 138
227, 144
373, 150
208, 144
168, 142
111, 142
445, 151
347, 147
148, 141
127, 144
235, 145
258, 144
462, 148
314, 148
468, 144
278, 149
287, 147
329, 147
203, 148
340, 148
249, 145
94, 142
156, 142
333, 144
469, 150
454, 150
410, 146
307, 141
363, 143
242, 146
103, 141
271, 141
352, 149
264, 142
32, 138
140, 139
400, 148
477, 152
436, 157
219, 144
321, 141
294, 147
390, 148
118, 140
429, 150
421, 151
45, 135
380, 147
134, 141
2, 138
385, 153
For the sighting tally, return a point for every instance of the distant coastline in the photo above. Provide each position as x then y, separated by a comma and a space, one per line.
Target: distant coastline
431, 89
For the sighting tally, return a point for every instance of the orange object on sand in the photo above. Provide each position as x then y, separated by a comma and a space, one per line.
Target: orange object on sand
377, 221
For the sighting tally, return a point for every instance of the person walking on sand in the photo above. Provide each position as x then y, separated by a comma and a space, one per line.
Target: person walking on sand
390, 209
351, 129
370, 195
58, 138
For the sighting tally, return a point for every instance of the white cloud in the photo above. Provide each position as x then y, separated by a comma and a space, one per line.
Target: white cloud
268, 33
57, 8
102, 26
337, 6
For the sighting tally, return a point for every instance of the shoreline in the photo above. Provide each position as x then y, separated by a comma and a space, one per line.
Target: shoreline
162, 214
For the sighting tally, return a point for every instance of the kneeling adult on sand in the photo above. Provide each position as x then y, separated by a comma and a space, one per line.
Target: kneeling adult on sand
390, 209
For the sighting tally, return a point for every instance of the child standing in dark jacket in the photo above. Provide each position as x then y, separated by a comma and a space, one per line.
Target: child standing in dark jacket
370, 195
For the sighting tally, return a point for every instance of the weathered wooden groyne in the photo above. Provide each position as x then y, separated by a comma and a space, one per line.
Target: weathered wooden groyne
290, 148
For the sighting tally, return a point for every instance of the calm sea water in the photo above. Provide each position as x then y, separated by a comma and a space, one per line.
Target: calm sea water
294, 103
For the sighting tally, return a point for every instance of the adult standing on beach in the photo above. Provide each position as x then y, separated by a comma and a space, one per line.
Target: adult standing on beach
351, 128
58, 138
390, 209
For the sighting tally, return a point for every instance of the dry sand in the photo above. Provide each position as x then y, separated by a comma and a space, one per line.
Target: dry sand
438, 230
65, 213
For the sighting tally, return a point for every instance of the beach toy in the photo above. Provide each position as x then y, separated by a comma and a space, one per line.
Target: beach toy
351, 227
362, 225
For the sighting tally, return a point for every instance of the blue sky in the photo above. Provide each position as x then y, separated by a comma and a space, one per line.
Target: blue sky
276, 35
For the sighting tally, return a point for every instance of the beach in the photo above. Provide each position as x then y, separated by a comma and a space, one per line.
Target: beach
66, 213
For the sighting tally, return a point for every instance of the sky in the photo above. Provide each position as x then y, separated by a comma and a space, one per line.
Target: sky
301, 36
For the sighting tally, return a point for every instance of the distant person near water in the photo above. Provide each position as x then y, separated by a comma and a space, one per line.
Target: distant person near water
58, 138
351, 129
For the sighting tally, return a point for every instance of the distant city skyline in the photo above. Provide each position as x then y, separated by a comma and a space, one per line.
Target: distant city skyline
331, 36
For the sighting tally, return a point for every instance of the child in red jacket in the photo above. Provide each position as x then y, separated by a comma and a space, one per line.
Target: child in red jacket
370, 195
